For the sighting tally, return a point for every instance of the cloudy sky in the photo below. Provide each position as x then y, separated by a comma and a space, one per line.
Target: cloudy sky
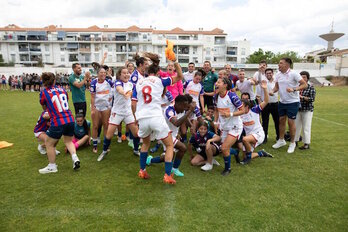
275, 25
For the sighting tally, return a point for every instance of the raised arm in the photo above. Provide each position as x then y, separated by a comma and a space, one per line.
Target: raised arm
265, 94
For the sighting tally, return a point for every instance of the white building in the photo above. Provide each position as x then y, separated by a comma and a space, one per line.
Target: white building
61, 47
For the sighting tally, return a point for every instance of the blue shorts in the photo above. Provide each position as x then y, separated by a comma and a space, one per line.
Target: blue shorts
290, 110
56, 132
3, 82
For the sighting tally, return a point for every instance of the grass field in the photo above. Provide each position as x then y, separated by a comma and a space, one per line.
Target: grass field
304, 191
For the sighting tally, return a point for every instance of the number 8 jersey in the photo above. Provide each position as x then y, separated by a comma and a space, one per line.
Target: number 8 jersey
148, 94
56, 100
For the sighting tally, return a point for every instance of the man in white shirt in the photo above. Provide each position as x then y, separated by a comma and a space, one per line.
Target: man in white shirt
190, 73
288, 83
245, 85
271, 107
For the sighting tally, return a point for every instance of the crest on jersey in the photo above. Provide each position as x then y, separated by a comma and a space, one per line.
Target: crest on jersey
171, 113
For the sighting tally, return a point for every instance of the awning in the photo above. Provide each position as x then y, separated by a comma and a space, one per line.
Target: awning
72, 46
61, 34
36, 33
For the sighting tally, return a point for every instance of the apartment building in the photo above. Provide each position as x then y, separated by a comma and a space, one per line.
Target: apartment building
60, 47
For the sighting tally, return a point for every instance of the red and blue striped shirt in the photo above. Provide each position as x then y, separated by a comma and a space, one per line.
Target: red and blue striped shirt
56, 100
42, 124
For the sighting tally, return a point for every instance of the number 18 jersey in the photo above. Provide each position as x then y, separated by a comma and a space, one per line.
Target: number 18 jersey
148, 94
56, 100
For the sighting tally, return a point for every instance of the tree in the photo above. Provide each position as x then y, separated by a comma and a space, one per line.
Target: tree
270, 57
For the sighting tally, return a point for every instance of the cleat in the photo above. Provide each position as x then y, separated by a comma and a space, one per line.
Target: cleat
41, 150
226, 172
148, 160
143, 174
291, 148
304, 147
177, 172
136, 153
266, 154
245, 161
48, 169
130, 143
215, 162
102, 155
207, 167
279, 143
119, 140
76, 162
168, 179
57, 152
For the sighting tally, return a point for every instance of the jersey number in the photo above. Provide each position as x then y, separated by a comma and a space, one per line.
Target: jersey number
61, 102
147, 94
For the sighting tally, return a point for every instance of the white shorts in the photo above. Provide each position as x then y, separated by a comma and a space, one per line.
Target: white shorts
234, 132
259, 136
116, 119
155, 125
37, 134
102, 108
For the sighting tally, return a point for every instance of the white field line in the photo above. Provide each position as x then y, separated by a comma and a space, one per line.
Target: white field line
332, 122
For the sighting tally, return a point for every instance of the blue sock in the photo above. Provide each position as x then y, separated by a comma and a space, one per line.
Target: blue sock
156, 160
248, 155
127, 134
168, 167
131, 135
95, 142
184, 138
106, 144
99, 131
136, 142
119, 134
233, 151
177, 163
143, 157
260, 153
227, 162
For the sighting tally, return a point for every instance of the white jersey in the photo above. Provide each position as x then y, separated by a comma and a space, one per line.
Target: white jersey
194, 90
122, 106
251, 120
290, 79
148, 94
228, 104
246, 87
189, 76
170, 113
102, 92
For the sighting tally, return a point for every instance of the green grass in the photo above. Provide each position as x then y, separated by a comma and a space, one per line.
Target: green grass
305, 191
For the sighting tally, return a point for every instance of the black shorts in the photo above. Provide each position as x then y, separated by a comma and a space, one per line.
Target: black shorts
80, 107
217, 151
208, 100
56, 132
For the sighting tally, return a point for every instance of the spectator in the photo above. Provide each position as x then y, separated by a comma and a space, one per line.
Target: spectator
190, 73
78, 84
304, 116
287, 83
233, 78
176, 88
208, 83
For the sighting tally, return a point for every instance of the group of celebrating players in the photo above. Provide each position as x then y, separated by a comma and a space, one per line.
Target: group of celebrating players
141, 100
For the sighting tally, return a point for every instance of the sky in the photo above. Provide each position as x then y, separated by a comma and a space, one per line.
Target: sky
275, 25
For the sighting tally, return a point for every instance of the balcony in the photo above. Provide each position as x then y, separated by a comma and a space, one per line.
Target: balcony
21, 37
220, 40
85, 50
35, 49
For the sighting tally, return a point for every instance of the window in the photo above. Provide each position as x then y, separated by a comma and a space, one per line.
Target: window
184, 37
145, 36
243, 52
172, 37
194, 49
62, 47
195, 37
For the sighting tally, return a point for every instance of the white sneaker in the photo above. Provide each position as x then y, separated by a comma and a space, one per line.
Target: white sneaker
48, 169
207, 167
41, 150
76, 162
57, 152
101, 156
215, 162
119, 140
292, 147
279, 143
128, 139
136, 153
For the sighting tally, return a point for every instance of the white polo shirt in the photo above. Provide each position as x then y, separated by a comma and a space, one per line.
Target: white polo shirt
289, 79
189, 76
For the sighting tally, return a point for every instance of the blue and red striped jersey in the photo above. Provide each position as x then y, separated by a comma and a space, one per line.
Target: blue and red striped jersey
42, 124
56, 100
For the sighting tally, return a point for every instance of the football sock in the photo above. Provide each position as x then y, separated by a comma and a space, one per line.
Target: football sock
227, 162
106, 144
168, 167
142, 160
